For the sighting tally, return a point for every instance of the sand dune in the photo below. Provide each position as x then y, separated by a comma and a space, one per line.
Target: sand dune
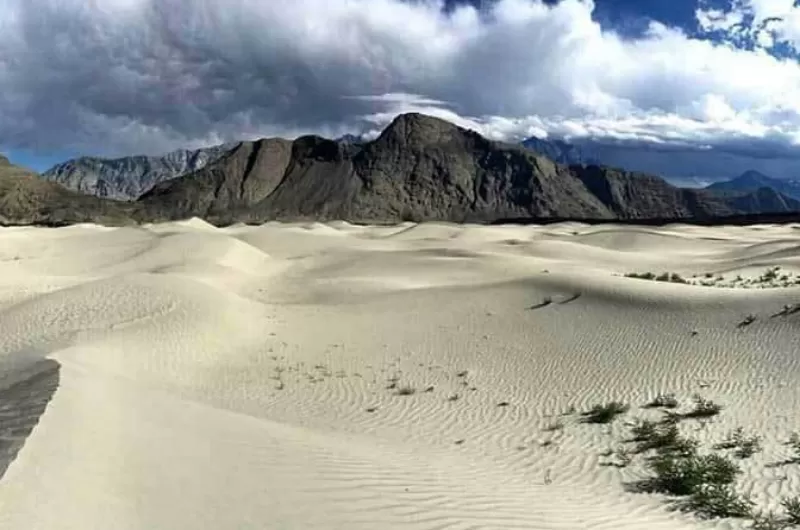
248, 377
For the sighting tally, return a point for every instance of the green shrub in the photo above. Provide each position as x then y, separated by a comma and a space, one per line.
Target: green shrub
710, 501
641, 275
794, 442
686, 475
665, 438
744, 446
792, 507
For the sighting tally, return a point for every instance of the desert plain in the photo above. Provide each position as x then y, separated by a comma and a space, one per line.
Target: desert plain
417, 376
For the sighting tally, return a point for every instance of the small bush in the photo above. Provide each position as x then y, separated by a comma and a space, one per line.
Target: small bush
792, 507
745, 446
794, 443
665, 438
641, 275
666, 401
406, 391
686, 475
605, 413
703, 408
710, 501
644, 431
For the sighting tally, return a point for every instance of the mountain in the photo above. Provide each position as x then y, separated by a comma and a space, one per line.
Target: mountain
680, 166
424, 168
752, 180
420, 168
558, 151
127, 178
27, 199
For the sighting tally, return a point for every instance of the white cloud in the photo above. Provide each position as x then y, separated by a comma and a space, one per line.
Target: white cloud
127, 76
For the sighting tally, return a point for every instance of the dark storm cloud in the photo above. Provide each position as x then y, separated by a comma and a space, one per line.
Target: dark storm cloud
125, 76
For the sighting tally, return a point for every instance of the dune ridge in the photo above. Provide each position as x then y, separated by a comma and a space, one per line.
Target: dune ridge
254, 376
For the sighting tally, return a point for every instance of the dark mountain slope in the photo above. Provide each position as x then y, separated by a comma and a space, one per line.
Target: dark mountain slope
423, 168
27, 199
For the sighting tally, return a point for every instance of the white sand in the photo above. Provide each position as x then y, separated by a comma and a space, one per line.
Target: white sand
220, 378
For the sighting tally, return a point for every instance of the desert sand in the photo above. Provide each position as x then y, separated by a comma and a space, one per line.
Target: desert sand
249, 377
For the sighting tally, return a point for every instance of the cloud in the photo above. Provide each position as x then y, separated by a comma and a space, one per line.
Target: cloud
130, 76
760, 23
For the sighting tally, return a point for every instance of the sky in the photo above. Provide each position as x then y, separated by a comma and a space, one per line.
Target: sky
122, 77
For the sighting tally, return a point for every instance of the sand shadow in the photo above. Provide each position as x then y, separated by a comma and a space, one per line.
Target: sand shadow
571, 298
544, 303
21, 406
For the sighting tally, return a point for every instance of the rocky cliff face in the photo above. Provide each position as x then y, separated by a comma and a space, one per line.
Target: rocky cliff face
129, 177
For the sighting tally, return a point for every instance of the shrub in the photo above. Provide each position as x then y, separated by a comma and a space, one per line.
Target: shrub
605, 413
703, 408
406, 390
644, 431
686, 475
641, 275
745, 446
666, 401
717, 500
794, 442
665, 438
792, 507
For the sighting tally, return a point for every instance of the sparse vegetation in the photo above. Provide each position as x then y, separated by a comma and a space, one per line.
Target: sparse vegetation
664, 437
703, 408
686, 475
717, 500
769, 278
794, 443
605, 413
746, 321
667, 401
744, 446
792, 507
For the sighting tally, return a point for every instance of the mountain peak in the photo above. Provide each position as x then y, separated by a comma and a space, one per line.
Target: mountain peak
752, 174
416, 128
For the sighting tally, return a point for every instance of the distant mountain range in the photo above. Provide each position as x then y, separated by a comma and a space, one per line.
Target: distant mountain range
420, 168
753, 180
129, 177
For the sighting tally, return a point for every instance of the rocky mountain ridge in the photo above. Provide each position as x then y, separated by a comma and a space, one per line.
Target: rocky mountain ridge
420, 168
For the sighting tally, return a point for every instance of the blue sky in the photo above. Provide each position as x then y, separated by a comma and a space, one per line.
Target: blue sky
125, 77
